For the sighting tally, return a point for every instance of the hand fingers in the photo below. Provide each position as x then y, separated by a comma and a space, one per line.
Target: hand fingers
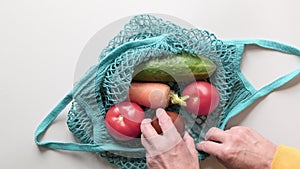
164, 120
146, 144
213, 139
149, 137
209, 147
216, 134
147, 129
189, 141
152, 145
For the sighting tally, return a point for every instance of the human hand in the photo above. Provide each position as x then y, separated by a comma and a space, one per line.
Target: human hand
169, 150
239, 148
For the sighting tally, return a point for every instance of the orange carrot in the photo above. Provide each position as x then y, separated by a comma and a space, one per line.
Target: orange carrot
152, 95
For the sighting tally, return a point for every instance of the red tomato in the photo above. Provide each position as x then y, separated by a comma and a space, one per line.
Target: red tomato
123, 120
203, 97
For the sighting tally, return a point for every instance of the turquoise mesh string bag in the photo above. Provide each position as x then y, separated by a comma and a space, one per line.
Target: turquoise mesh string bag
107, 83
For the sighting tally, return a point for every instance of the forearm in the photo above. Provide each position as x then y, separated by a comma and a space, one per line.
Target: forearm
286, 158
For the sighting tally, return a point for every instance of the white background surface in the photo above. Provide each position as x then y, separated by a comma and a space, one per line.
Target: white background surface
41, 41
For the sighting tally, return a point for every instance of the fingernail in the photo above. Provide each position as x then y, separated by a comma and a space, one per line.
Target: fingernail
159, 112
198, 146
162, 116
145, 121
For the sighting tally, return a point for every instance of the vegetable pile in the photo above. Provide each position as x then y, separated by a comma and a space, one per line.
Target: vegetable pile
152, 87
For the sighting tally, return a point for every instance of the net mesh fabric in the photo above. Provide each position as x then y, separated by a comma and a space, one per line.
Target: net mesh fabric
107, 83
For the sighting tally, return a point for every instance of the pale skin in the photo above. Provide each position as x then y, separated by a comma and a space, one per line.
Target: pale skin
169, 150
239, 148
236, 148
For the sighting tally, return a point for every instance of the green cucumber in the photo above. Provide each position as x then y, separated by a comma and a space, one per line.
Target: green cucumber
180, 67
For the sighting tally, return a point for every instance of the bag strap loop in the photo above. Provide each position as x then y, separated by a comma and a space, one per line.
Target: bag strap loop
61, 145
271, 86
70, 145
